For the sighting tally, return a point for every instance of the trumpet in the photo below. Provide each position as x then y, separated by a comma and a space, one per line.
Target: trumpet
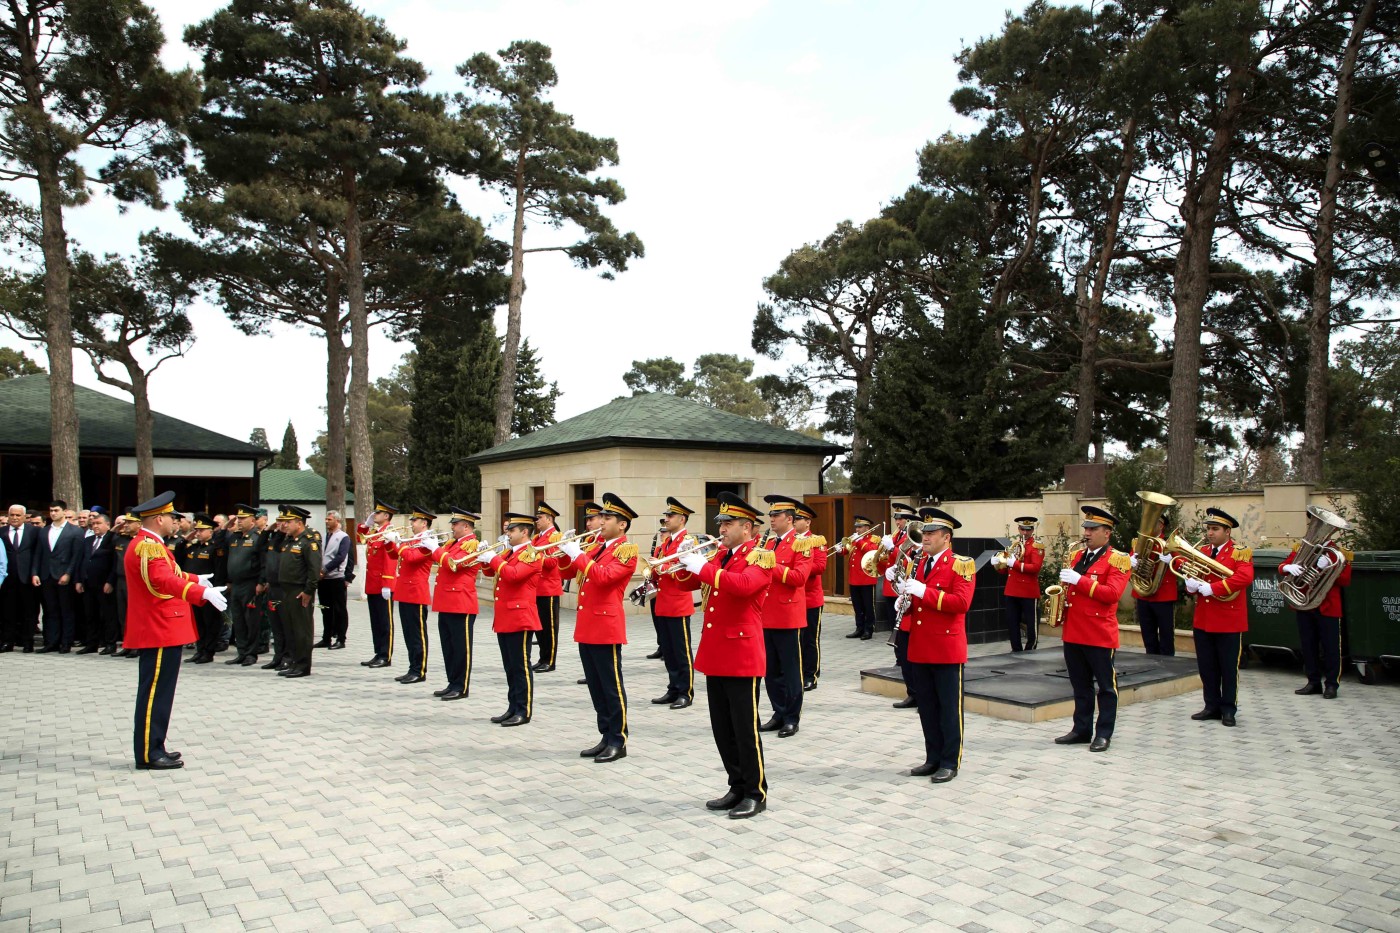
845, 544
1195, 565
399, 530
582, 539
480, 555
702, 546
1014, 553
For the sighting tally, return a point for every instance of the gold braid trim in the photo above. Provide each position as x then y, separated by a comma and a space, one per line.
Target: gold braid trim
626, 553
805, 545
148, 550
529, 555
1243, 553
1120, 561
470, 547
554, 538
964, 567
765, 559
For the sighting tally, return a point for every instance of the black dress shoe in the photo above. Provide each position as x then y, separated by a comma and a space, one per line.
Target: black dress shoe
611, 753
438, 693
501, 718
1071, 738
667, 697
283, 665
809, 686
925, 769
746, 808
1227, 719
583, 680
454, 695
65, 649
1308, 690
906, 703
126, 653
323, 643
789, 729
234, 661
1099, 745
595, 751
337, 645
728, 802
370, 662
105, 650
378, 662
160, 764
204, 659
516, 720
866, 637
655, 655
249, 660
413, 679
544, 669
29, 649
272, 665
89, 649
682, 702
176, 755
772, 725
295, 672
1206, 714
47, 649
403, 678
1330, 693
944, 775
855, 634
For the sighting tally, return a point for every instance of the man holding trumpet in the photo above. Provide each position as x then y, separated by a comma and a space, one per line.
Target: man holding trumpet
455, 602
516, 568
674, 606
380, 571
412, 591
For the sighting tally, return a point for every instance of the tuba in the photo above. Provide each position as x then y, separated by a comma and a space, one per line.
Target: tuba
1195, 565
1147, 575
1308, 589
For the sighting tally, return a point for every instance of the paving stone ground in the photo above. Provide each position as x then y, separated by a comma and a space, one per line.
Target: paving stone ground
348, 801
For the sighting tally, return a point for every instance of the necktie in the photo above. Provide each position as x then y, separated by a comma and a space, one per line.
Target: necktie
928, 568
1087, 561
724, 561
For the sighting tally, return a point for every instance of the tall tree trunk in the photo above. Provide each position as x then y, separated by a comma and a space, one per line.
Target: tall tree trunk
1200, 206
357, 410
505, 390
860, 403
145, 431
1092, 315
58, 334
337, 367
1325, 264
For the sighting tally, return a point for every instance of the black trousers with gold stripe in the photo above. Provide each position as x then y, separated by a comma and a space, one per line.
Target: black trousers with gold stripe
548, 609
812, 646
939, 690
414, 618
1087, 665
455, 631
520, 680
381, 626
676, 654
1218, 660
734, 722
157, 671
602, 667
783, 681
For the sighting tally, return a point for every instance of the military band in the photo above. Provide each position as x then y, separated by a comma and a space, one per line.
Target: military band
815, 546
885, 563
862, 584
412, 591
516, 568
381, 570
1320, 627
1156, 608
785, 615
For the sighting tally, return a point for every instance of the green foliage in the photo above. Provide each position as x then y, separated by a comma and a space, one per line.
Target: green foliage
259, 439
1363, 450
390, 407
726, 381
535, 398
14, 363
288, 458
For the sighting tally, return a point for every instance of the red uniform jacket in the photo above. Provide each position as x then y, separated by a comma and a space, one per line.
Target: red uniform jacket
551, 584
1215, 614
456, 589
603, 572
938, 634
415, 564
517, 579
855, 575
1023, 577
816, 596
887, 563
381, 566
733, 585
1166, 590
1331, 605
158, 596
673, 599
786, 603
1091, 608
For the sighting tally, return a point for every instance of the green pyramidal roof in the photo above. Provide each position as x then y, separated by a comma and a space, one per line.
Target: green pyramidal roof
655, 420
294, 486
105, 424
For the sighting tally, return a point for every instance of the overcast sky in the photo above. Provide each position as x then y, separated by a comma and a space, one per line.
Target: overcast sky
744, 130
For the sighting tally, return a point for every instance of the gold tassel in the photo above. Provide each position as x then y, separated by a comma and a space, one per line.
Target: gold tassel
529, 555
964, 567
554, 538
1120, 561
765, 559
1244, 553
626, 553
805, 545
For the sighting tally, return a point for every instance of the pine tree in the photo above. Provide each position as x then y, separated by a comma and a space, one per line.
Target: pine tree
534, 398
259, 439
288, 458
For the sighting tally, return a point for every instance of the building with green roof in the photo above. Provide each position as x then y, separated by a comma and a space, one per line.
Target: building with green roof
305, 488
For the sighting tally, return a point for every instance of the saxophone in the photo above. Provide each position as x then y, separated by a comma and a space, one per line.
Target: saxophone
1057, 597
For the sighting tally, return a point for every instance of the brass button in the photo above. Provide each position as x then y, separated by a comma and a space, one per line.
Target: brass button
709, 625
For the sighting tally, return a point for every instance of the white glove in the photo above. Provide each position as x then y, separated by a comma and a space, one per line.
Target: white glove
889, 575
426, 544
1132, 560
205, 578
1323, 562
1190, 585
572, 549
480, 557
387, 593
998, 560
692, 562
887, 542
392, 535
1293, 570
1070, 576
1164, 557
915, 589
1204, 589
214, 596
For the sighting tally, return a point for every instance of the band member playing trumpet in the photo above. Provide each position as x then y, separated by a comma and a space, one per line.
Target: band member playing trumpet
515, 614
455, 602
889, 551
380, 572
1221, 618
940, 590
551, 586
784, 615
1320, 629
412, 590
1021, 564
862, 584
673, 607
816, 596
1093, 584
1156, 614
733, 584
601, 627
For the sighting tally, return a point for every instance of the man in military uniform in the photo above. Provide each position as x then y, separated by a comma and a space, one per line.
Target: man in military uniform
381, 568
272, 569
299, 572
1320, 629
889, 548
127, 526
516, 615
245, 572
412, 590
197, 556
1221, 619
1022, 593
940, 592
455, 602
815, 545
1093, 584
550, 587
784, 616
159, 624
261, 526
1156, 613
732, 584
672, 608
861, 583
592, 519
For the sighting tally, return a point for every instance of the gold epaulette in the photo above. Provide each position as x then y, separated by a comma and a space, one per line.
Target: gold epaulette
805, 545
529, 555
964, 567
1120, 561
1348, 555
150, 550
470, 547
554, 538
764, 558
1243, 554
626, 553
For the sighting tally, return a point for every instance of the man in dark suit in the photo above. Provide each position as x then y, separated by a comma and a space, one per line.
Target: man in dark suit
60, 560
95, 585
19, 599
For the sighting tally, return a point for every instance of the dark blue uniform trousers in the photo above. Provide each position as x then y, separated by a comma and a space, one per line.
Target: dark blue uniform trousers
734, 721
676, 654
1320, 637
602, 668
455, 630
939, 690
901, 660
812, 645
1218, 660
157, 671
783, 678
1156, 620
1020, 610
414, 618
520, 680
381, 626
1087, 665
863, 604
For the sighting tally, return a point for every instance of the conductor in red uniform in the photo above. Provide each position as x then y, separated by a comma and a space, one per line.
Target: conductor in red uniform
862, 584
1093, 582
940, 593
549, 589
815, 546
1320, 629
673, 608
516, 615
733, 584
601, 626
1221, 619
784, 616
455, 602
1022, 593
380, 571
159, 623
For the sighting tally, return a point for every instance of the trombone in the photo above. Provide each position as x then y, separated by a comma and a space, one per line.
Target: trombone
702, 546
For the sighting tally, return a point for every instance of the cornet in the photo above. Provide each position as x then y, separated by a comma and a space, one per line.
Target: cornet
702, 546
582, 539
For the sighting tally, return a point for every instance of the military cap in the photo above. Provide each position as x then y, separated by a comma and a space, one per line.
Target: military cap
806, 511
1027, 521
592, 508
544, 508
296, 513
861, 520
160, 505
613, 505
518, 518
938, 518
901, 510
381, 506
731, 507
674, 506
244, 510
203, 520
1216, 516
1093, 515
424, 514
779, 503
460, 514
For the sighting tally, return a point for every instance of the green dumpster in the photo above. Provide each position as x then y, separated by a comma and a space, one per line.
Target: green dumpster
1372, 612
1272, 625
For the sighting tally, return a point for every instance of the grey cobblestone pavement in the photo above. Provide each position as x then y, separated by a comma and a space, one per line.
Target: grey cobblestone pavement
348, 801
